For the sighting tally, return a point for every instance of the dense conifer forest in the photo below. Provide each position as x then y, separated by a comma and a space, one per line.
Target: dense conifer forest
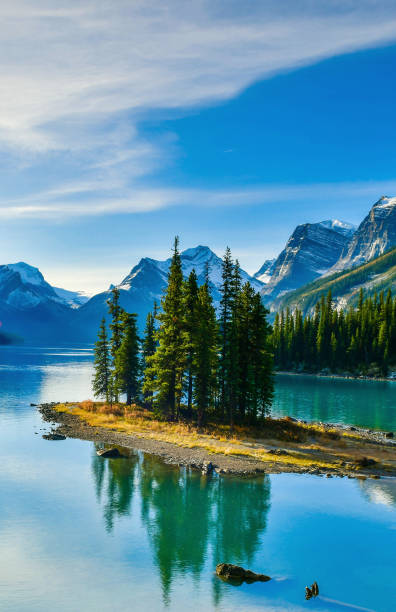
361, 340
191, 363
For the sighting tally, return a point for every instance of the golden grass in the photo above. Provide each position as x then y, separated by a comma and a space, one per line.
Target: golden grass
219, 439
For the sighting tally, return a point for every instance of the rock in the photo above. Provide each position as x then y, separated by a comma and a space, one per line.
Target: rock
53, 436
312, 591
352, 429
237, 574
207, 468
109, 453
329, 475
389, 434
33, 404
365, 462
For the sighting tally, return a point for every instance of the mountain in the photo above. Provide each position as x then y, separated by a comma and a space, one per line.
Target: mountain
29, 306
266, 271
375, 235
146, 282
74, 299
311, 250
374, 276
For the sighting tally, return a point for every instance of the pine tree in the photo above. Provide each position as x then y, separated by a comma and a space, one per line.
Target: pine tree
127, 360
116, 327
262, 361
225, 325
168, 362
149, 346
205, 354
190, 322
101, 382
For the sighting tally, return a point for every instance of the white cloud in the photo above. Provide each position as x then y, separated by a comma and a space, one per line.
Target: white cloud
99, 198
71, 71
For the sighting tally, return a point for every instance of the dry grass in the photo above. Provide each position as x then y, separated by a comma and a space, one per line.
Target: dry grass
217, 439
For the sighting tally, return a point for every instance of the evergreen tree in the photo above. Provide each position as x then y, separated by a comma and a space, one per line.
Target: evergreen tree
225, 325
168, 363
102, 372
116, 327
127, 360
149, 346
360, 340
190, 322
204, 351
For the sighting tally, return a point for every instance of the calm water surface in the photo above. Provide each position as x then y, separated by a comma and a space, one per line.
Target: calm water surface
79, 533
335, 400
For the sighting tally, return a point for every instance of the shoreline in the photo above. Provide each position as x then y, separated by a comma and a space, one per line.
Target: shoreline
335, 376
307, 448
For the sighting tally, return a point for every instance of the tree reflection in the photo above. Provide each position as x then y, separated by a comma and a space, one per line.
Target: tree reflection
190, 519
115, 479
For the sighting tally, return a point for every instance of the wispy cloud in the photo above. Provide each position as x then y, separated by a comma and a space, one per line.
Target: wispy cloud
78, 76
77, 200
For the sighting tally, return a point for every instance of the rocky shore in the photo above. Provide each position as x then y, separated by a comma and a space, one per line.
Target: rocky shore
328, 450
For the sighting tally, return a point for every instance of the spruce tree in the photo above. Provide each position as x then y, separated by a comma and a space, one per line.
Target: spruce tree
168, 363
127, 360
190, 288
205, 353
225, 326
101, 382
149, 345
116, 327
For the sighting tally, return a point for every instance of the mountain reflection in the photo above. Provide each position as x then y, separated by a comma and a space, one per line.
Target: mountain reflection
379, 491
191, 520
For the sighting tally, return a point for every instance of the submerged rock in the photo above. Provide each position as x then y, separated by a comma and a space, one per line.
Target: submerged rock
312, 591
236, 574
109, 453
207, 468
53, 436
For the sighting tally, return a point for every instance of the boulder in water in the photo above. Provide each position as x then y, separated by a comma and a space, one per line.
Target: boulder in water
236, 574
312, 591
53, 436
109, 453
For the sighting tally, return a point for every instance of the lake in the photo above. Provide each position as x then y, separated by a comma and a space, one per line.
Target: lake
82, 533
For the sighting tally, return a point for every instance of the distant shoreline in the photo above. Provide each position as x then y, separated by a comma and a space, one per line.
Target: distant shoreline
281, 446
335, 376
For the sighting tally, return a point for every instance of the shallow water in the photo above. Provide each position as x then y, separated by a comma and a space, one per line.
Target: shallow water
82, 533
366, 403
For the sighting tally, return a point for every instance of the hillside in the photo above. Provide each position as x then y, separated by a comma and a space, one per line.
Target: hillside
374, 276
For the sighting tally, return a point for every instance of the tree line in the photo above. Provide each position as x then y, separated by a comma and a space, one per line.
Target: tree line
191, 362
357, 340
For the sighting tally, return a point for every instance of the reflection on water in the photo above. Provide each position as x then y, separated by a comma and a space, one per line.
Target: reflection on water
82, 533
353, 402
380, 492
188, 517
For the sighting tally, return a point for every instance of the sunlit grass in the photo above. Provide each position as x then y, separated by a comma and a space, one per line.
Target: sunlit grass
217, 439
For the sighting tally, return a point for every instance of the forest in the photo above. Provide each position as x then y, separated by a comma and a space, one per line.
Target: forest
191, 363
357, 341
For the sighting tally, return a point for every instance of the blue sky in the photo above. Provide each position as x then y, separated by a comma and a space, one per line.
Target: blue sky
223, 122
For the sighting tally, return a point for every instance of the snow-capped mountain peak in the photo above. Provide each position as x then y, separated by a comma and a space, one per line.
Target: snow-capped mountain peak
28, 274
343, 227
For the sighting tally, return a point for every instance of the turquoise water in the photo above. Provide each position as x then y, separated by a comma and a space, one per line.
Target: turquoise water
81, 533
335, 400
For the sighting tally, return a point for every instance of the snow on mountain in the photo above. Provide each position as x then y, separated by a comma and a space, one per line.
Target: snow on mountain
29, 306
74, 299
152, 274
146, 283
375, 235
266, 270
340, 226
311, 250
